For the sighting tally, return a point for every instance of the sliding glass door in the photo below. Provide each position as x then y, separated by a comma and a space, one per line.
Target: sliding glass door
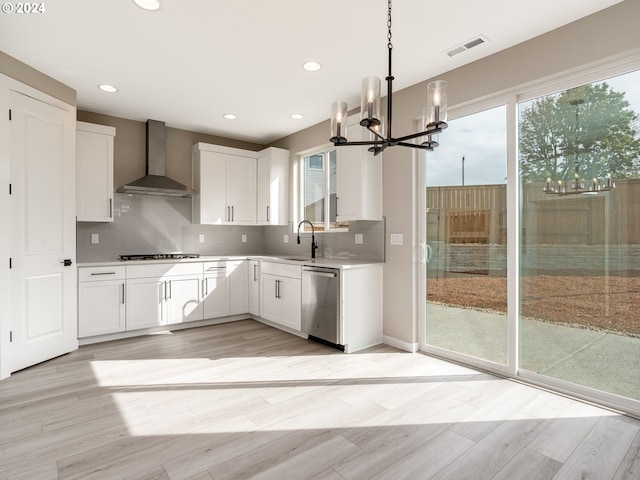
579, 156
538, 275
466, 238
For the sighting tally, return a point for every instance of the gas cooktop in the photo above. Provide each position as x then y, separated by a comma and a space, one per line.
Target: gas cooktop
159, 256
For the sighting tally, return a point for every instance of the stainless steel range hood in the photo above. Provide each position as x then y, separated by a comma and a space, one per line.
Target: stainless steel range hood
155, 182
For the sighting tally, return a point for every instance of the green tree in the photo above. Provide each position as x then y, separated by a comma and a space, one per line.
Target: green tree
588, 131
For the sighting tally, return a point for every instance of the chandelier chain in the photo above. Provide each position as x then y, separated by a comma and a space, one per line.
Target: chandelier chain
389, 44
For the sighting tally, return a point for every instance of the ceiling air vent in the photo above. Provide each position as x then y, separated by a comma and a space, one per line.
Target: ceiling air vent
479, 40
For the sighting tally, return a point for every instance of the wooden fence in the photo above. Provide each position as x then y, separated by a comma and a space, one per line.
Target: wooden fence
478, 215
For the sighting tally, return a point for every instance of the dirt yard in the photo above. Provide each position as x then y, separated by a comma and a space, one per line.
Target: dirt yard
598, 302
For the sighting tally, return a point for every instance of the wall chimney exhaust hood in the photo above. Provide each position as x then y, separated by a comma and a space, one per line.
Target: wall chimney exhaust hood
155, 182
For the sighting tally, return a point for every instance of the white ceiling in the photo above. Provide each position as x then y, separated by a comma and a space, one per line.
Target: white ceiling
194, 60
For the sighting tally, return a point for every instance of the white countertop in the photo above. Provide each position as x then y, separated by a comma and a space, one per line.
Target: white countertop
290, 259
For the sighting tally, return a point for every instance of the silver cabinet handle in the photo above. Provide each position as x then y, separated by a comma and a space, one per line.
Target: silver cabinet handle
232, 214
111, 208
255, 272
205, 287
123, 293
103, 273
170, 289
228, 213
267, 213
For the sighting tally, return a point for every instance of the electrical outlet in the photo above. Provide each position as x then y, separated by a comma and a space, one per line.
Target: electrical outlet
244, 238
201, 238
286, 239
95, 238
359, 239
396, 239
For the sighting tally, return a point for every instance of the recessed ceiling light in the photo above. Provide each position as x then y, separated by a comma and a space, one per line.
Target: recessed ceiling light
151, 5
312, 66
297, 116
230, 116
107, 88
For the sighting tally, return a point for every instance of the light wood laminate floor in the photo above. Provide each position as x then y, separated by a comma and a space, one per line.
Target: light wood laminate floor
243, 400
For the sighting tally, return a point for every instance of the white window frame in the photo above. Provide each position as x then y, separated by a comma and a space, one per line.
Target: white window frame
321, 227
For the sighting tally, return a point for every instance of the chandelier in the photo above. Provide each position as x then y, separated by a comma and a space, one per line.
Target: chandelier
578, 184
433, 119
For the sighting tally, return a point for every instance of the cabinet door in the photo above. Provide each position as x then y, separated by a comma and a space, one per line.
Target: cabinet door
254, 287
145, 303
94, 168
183, 299
291, 299
349, 178
215, 295
273, 187
264, 190
241, 189
101, 308
270, 307
238, 287
213, 188
359, 181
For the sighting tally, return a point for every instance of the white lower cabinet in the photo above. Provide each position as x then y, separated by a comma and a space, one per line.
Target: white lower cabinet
101, 300
254, 287
238, 287
145, 303
215, 290
280, 294
162, 294
183, 301
225, 287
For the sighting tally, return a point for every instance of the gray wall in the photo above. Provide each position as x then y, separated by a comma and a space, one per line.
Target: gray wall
30, 76
151, 224
606, 34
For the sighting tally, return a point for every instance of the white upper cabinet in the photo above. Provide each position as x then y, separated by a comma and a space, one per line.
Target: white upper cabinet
273, 187
359, 179
224, 180
94, 172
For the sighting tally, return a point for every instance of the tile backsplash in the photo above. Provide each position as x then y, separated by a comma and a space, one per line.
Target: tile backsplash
146, 224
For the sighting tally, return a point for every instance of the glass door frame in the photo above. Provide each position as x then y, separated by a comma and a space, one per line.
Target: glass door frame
510, 368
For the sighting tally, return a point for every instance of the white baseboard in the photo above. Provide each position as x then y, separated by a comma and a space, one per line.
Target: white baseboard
400, 344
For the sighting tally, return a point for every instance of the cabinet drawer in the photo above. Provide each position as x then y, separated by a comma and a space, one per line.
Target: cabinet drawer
94, 274
281, 269
164, 269
215, 269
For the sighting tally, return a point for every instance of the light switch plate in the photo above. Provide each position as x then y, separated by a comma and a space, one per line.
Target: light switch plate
244, 238
285, 239
359, 239
396, 239
201, 238
95, 238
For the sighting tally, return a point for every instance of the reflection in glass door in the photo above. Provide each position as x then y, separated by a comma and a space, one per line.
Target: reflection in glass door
580, 237
466, 233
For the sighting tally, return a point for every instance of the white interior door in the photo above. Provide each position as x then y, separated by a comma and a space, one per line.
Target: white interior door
43, 290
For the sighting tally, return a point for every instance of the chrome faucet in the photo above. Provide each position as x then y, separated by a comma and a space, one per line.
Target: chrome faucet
314, 245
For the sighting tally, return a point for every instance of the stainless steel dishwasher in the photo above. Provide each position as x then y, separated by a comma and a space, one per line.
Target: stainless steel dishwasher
320, 305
